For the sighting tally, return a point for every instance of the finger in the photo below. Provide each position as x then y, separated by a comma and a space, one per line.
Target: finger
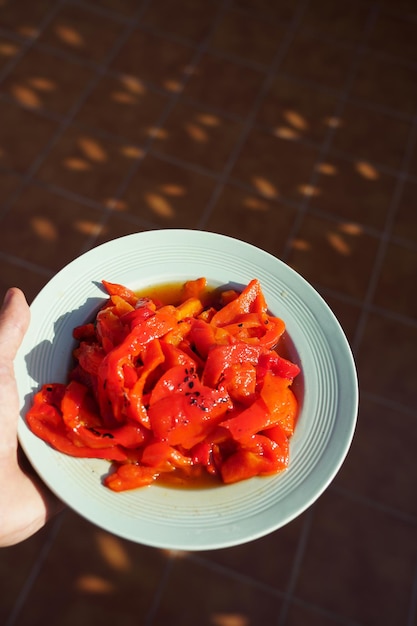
14, 321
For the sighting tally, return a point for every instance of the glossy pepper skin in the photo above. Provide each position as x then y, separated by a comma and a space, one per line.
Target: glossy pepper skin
157, 389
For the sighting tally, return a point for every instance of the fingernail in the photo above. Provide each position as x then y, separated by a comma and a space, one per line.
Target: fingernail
8, 296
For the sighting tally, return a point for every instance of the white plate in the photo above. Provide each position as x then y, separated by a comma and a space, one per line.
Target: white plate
225, 515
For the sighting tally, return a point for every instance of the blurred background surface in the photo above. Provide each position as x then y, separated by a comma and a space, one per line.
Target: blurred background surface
290, 124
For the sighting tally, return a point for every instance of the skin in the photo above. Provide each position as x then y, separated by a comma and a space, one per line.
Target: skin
25, 503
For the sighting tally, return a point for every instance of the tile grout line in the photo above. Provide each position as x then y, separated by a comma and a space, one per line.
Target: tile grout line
389, 404
296, 566
28, 43
302, 544
354, 496
26, 179
266, 588
412, 612
67, 120
236, 575
56, 52
200, 49
34, 572
385, 238
144, 223
19, 262
250, 119
328, 139
60, 119
99, 10
370, 230
158, 593
326, 613
56, 117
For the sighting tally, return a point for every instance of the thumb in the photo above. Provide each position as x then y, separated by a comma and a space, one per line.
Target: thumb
14, 321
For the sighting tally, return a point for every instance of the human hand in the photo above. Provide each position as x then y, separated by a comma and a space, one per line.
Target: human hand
25, 502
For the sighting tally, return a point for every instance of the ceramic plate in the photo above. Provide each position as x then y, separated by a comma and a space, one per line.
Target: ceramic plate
221, 516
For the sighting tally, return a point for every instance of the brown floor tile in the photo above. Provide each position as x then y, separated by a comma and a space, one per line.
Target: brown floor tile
24, 16
387, 360
299, 613
214, 70
46, 229
243, 35
268, 560
381, 462
14, 275
125, 8
405, 223
386, 82
8, 185
197, 136
294, 109
283, 10
360, 556
23, 136
395, 35
86, 164
412, 166
92, 577
398, 273
346, 313
246, 216
82, 32
336, 256
355, 191
372, 136
42, 81
123, 106
213, 599
16, 563
313, 59
116, 226
189, 19
406, 8
167, 195
276, 167
154, 59
9, 49
345, 23
359, 562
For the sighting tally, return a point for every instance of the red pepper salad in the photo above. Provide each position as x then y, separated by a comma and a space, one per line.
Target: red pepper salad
191, 388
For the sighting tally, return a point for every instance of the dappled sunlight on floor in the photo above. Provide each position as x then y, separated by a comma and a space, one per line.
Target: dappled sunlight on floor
291, 125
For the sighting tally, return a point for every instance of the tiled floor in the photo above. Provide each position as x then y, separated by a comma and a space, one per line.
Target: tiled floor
291, 124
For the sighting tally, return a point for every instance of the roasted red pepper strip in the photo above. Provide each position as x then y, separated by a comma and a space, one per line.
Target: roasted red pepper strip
111, 386
114, 289
260, 456
152, 356
182, 410
157, 388
278, 365
221, 357
240, 380
130, 476
280, 401
194, 288
45, 420
162, 456
242, 304
276, 405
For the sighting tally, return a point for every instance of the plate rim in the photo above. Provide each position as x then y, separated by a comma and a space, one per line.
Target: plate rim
319, 301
